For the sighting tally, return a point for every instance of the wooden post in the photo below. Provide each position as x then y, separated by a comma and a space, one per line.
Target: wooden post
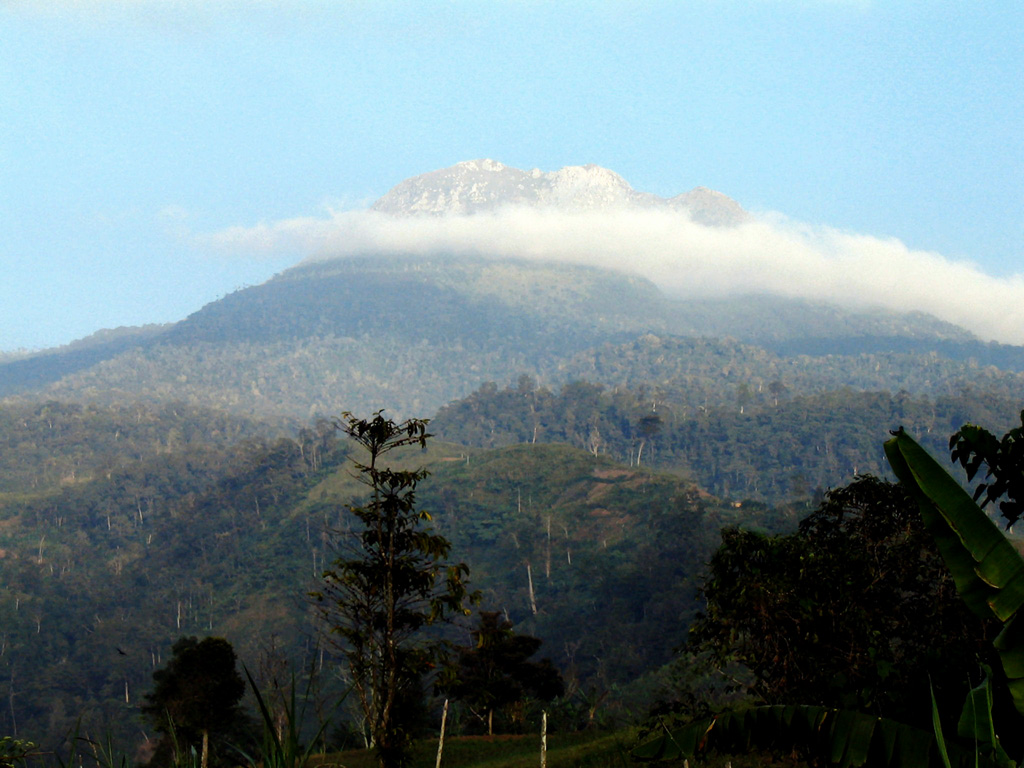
440, 741
543, 739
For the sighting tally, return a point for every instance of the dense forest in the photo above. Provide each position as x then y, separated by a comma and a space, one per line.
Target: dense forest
103, 571
771, 447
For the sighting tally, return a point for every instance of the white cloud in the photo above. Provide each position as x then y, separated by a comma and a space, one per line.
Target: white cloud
766, 255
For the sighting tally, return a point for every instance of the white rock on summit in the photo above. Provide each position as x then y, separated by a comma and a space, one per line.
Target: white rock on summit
483, 185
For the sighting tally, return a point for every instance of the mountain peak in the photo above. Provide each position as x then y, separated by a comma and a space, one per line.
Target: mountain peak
485, 164
475, 186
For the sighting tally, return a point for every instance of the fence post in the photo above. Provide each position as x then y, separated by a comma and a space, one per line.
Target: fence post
543, 740
440, 741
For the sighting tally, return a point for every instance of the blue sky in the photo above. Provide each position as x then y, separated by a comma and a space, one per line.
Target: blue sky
131, 129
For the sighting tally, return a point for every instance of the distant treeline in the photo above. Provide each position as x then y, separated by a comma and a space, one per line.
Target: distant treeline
768, 445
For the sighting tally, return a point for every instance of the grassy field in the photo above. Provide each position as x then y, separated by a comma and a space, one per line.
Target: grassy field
572, 750
592, 750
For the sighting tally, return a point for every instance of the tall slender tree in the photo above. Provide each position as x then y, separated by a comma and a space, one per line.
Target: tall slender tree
391, 579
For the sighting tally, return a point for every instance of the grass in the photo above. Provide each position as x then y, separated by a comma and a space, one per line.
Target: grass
565, 750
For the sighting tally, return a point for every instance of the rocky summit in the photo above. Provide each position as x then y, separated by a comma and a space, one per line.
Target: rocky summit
476, 186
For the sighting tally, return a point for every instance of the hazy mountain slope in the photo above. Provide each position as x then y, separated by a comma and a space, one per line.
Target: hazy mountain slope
411, 334
362, 335
699, 372
432, 300
32, 371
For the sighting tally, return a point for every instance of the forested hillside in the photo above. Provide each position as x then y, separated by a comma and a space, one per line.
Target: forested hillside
51, 444
99, 576
770, 446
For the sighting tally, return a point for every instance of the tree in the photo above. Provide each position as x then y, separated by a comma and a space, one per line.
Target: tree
195, 697
1003, 459
648, 427
988, 571
989, 574
855, 610
496, 672
391, 580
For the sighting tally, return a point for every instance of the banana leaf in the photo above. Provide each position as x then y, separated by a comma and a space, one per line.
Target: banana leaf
987, 570
840, 737
976, 722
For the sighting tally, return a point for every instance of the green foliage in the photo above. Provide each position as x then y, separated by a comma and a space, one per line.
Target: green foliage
495, 672
988, 570
195, 697
14, 751
975, 447
989, 575
833, 736
224, 541
391, 580
281, 743
99, 578
693, 685
22, 372
856, 610
583, 749
977, 725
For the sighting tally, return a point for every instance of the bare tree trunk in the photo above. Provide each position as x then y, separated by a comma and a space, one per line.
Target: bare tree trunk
206, 749
547, 552
529, 580
10, 703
